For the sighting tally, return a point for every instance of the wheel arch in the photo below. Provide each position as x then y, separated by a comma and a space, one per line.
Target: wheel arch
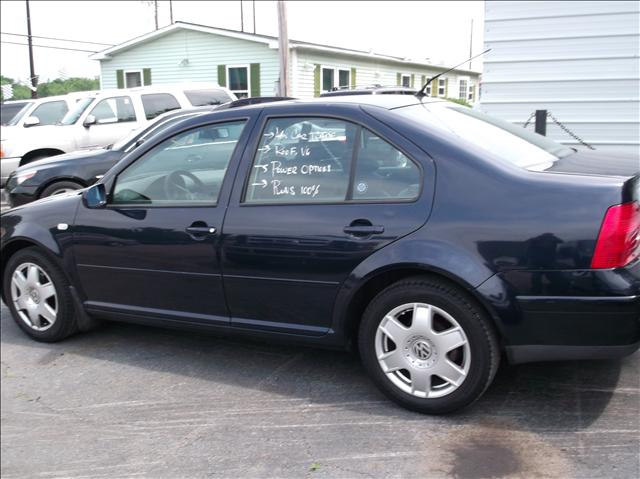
40, 152
347, 318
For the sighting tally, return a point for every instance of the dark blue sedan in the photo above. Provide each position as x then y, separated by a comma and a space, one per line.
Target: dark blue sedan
432, 238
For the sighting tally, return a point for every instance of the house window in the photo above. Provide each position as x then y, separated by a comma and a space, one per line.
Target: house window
470, 97
463, 90
441, 86
406, 81
334, 78
429, 89
132, 78
238, 80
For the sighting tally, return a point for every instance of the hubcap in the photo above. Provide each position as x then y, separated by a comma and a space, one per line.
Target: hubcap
34, 296
423, 350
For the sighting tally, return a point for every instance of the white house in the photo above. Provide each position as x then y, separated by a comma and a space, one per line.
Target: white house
578, 60
248, 64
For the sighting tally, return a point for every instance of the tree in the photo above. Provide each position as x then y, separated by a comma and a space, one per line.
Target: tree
55, 87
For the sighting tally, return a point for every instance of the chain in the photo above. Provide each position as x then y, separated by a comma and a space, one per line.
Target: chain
564, 128
569, 132
526, 123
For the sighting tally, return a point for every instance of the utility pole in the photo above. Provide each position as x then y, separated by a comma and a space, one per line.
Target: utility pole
33, 80
283, 48
471, 44
254, 15
155, 7
241, 17
171, 11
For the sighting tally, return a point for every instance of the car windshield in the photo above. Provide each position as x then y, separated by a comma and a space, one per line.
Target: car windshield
144, 132
505, 140
12, 112
72, 116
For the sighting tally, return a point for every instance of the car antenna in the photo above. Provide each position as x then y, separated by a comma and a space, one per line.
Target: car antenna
421, 93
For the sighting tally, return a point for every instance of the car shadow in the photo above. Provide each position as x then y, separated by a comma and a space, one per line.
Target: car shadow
562, 396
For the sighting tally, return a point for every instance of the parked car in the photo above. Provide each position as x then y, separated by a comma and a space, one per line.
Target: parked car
102, 119
371, 90
73, 171
324, 222
12, 109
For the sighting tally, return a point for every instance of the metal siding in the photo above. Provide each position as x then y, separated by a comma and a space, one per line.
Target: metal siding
579, 60
205, 52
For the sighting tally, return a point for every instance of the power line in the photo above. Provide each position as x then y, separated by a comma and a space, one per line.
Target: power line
47, 46
59, 39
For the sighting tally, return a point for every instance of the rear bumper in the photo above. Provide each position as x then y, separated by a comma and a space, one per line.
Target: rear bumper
566, 315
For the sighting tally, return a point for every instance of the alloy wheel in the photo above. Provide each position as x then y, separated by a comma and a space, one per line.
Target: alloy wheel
34, 296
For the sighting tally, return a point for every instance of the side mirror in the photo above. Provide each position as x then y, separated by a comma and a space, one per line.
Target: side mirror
95, 197
89, 120
31, 121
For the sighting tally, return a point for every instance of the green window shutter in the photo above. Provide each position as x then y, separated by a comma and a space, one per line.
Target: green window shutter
120, 78
316, 81
255, 79
434, 87
146, 76
473, 93
222, 75
423, 80
353, 78
446, 88
398, 79
413, 80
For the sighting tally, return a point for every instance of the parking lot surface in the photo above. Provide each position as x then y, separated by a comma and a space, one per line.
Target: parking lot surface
128, 401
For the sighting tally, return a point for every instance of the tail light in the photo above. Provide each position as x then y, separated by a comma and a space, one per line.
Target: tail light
619, 238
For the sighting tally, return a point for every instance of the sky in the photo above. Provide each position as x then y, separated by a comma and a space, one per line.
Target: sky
438, 31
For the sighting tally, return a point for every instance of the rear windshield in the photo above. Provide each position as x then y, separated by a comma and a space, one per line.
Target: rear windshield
510, 142
12, 112
72, 116
207, 97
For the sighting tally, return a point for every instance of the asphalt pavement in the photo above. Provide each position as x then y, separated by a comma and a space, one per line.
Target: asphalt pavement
129, 401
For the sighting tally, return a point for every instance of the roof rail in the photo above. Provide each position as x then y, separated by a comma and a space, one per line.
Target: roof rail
256, 100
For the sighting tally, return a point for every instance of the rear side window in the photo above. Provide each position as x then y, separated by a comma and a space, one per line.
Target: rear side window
158, 103
114, 110
51, 112
310, 160
207, 97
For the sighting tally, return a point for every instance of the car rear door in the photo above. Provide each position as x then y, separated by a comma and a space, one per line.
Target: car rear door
153, 251
319, 191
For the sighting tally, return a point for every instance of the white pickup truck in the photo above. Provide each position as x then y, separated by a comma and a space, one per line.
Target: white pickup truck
98, 119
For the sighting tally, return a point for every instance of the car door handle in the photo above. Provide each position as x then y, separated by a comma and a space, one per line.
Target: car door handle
200, 230
363, 230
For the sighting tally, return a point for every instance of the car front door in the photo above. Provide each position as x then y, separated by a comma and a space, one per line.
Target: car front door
319, 195
108, 121
153, 250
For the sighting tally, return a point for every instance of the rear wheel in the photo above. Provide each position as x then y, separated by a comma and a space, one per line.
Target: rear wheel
59, 188
38, 296
428, 346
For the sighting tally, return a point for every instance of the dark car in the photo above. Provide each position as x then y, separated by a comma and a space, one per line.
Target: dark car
427, 235
73, 171
370, 90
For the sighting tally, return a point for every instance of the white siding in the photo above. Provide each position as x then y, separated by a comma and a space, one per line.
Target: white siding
370, 72
578, 60
204, 51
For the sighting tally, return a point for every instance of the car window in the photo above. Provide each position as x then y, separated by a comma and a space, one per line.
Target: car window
309, 160
12, 112
157, 103
187, 169
51, 112
114, 110
74, 114
383, 172
301, 160
144, 132
207, 97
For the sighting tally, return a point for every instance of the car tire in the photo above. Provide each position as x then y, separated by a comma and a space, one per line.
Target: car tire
60, 187
38, 296
428, 345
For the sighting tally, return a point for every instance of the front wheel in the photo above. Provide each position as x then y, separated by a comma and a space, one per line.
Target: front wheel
428, 346
38, 296
60, 188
